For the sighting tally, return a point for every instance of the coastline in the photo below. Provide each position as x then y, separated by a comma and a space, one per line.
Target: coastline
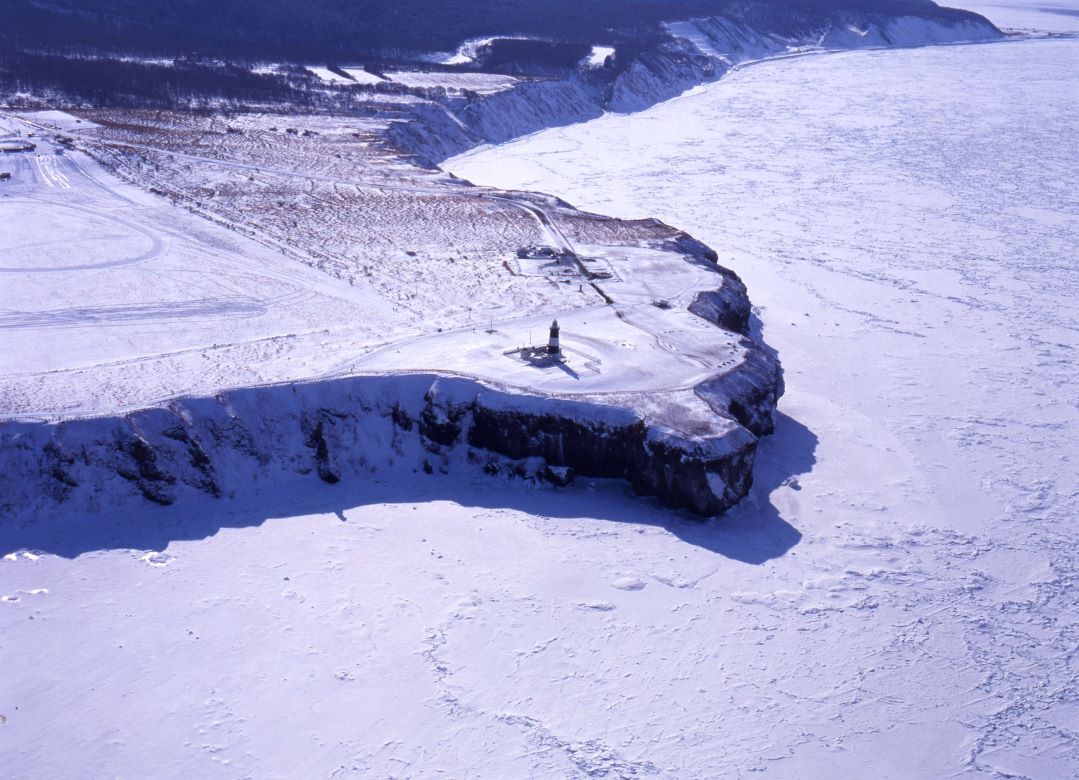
894, 596
745, 398
720, 47
916, 278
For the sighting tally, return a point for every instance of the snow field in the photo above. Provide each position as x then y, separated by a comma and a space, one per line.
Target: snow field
597, 57
329, 76
341, 669
109, 291
361, 76
483, 83
363, 263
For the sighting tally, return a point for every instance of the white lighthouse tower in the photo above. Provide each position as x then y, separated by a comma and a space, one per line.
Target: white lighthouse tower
552, 342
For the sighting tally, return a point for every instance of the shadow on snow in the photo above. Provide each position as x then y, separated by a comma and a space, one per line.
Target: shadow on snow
753, 532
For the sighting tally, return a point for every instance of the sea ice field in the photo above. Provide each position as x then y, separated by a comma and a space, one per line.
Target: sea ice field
896, 598
906, 224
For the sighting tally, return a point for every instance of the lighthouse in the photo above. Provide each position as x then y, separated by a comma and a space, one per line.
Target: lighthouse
552, 342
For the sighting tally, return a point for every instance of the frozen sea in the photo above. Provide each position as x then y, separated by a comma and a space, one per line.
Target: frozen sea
908, 226
897, 598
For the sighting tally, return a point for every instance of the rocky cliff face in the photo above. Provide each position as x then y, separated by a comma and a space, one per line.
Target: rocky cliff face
351, 428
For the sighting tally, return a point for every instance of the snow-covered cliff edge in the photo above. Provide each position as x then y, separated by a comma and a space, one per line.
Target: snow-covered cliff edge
688, 454
694, 52
692, 447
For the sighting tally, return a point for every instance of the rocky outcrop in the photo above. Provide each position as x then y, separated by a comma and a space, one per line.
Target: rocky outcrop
748, 393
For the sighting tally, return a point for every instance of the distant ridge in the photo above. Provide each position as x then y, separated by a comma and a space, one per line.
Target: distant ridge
321, 29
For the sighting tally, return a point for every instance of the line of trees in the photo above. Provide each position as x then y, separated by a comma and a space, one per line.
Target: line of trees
95, 51
318, 29
127, 83
312, 30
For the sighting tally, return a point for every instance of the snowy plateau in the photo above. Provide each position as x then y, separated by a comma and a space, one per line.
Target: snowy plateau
290, 488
